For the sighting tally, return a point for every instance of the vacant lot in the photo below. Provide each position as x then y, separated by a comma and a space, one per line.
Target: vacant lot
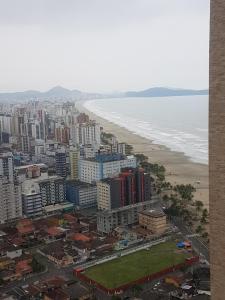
125, 269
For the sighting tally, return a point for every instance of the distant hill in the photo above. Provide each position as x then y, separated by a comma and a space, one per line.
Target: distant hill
57, 92
61, 93
165, 92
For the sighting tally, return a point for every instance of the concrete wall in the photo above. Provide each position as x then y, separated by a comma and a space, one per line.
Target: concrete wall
217, 149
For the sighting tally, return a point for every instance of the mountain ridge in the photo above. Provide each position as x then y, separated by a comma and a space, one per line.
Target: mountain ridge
165, 92
59, 92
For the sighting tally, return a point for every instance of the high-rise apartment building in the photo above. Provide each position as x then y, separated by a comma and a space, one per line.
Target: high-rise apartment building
81, 194
86, 134
217, 149
31, 199
110, 193
74, 156
52, 189
130, 187
60, 163
6, 166
103, 166
10, 191
10, 200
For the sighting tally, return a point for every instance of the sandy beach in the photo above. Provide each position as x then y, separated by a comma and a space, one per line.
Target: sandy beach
180, 169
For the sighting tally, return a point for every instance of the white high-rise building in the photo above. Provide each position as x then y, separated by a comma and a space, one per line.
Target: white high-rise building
86, 134
5, 120
104, 166
6, 166
31, 197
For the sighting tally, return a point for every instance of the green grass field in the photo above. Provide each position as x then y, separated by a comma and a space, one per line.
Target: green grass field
134, 266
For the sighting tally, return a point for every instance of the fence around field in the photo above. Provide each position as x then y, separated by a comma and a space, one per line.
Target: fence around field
111, 291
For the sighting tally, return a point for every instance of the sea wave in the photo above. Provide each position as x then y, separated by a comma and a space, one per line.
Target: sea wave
193, 145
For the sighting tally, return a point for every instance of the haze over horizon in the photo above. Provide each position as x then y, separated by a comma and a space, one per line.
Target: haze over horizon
103, 46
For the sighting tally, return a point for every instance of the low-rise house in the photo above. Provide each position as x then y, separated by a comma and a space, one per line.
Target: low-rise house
23, 267
6, 263
55, 233
56, 294
14, 252
80, 237
70, 218
54, 282
25, 227
9, 275
56, 252
153, 220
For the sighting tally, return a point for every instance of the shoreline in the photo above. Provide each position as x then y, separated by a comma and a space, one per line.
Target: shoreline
179, 168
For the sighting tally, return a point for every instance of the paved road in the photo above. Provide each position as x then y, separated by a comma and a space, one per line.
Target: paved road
199, 245
197, 242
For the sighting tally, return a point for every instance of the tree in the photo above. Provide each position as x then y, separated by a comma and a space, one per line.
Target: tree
36, 266
165, 198
185, 191
205, 215
198, 205
205, 235
141, 158
199, 229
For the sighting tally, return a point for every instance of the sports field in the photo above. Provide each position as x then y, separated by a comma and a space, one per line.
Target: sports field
134, 266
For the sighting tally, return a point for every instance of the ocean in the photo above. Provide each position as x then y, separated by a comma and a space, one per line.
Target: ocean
180, 123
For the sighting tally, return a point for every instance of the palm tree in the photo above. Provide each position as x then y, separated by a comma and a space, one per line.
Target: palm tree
199, 229
198, 205
185, 192
204, 218
205, 235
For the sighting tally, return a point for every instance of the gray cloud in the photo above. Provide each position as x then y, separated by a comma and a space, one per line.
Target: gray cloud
103, 45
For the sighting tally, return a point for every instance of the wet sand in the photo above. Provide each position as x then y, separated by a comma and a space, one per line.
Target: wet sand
179, 168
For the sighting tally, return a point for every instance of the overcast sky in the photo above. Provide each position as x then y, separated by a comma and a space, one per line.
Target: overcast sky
103, 45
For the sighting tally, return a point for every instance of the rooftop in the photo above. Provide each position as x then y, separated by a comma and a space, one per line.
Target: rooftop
44, 166
109, 157
56, 207
78, 183
54, 231
153, 213
80, 237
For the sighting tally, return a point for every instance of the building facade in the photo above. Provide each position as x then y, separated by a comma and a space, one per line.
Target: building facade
52, 189
10, 190
217, 148
153, 220
74, 156
81, 194
60, 163
107, 220
31, 199
6, 166
130, 187
10, 200
86, 134
104, 166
